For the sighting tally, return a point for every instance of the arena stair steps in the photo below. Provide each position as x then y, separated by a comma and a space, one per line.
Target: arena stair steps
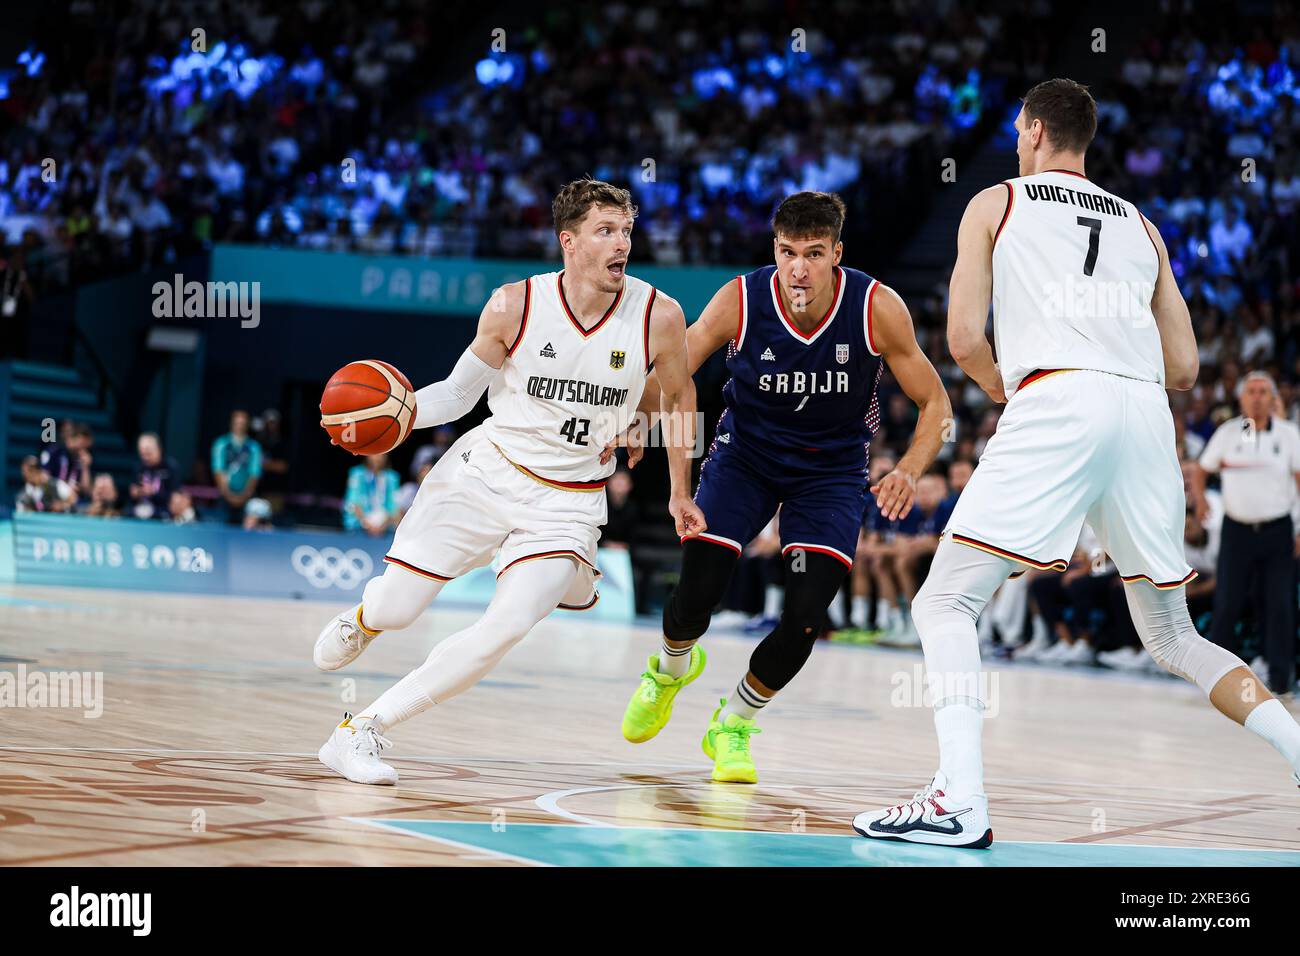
31, 393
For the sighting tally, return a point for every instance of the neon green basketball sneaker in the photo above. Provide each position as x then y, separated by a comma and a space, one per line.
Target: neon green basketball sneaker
727, 745
650, 707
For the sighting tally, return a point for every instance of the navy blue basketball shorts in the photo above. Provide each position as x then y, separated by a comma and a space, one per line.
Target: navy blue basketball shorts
819, 512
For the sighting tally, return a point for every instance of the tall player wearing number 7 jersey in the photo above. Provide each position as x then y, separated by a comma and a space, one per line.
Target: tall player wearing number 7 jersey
564, 358
1090, 330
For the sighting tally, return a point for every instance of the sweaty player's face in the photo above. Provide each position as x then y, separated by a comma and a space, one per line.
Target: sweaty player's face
598, 248
806, 268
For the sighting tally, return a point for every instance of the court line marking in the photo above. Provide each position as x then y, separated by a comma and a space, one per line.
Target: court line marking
549, 802
388, 828
1009, 781
849, 837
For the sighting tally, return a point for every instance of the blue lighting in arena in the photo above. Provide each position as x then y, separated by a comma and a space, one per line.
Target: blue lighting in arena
710, 81
496, 71
33, 60
773, 66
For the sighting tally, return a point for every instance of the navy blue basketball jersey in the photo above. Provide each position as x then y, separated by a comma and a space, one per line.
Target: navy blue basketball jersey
801, 401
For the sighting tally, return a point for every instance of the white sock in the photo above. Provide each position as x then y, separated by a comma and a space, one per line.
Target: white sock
743, 702
858, 610
772, 601
525, 594
960, 760
674, 661
1271, 721
884, 614
404, 700
833, 612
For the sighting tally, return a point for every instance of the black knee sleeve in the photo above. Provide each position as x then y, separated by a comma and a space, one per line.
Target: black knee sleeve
812, 580
706, 570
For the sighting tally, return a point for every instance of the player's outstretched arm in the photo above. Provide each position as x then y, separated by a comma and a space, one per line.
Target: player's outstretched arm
892, 329
1177, 338
456, 395
668, 351
716, 326
971, 291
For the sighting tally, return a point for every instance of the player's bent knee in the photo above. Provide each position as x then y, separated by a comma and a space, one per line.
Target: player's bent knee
388, 606
782, 654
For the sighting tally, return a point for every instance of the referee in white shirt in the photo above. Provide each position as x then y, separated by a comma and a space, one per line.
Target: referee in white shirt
1257, 457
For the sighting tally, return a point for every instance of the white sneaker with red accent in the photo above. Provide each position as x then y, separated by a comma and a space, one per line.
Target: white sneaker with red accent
931, 817
342, 641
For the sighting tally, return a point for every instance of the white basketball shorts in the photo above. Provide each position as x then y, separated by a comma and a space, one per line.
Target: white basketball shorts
1075, 446
475, 504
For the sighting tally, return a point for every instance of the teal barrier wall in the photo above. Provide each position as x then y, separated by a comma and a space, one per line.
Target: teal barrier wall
129, 555
407, 284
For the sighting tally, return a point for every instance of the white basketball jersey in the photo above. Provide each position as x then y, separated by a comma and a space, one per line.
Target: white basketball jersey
1074, 270
565, 391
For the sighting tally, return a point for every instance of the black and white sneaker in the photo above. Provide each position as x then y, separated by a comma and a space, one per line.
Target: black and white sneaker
933, 817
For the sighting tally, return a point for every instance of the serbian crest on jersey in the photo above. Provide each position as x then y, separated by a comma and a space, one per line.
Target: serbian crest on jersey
616, 359
842, 354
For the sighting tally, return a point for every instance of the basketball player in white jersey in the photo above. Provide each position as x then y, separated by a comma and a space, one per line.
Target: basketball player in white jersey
1090, 330
564, 358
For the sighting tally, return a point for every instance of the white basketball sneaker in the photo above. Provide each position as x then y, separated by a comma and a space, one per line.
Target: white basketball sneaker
353, 751
342, 641
931, 817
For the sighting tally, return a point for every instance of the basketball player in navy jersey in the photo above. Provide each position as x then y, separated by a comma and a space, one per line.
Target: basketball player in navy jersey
806, 340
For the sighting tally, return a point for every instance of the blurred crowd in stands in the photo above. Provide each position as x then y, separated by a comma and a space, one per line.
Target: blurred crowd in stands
329, 125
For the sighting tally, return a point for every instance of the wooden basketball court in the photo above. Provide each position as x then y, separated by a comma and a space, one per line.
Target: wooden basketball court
204, 754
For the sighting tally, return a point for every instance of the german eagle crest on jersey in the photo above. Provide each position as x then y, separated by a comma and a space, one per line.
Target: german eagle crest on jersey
616, 359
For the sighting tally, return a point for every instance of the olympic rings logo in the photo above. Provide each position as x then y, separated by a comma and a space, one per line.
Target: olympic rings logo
331, 567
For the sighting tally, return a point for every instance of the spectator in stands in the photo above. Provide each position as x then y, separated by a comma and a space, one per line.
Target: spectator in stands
103, 498
236, 466
156, 477
406, 494
16, 296
444, 436
918, 537
180, 507
370, 503
621, 527
1202, 550
959, 472
257, 515
269, 432
41, 491
70, 460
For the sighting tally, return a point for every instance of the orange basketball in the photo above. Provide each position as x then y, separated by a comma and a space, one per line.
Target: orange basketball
368, 407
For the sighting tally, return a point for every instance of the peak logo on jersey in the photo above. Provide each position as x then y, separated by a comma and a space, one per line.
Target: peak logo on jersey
768, 355
547, 352
617, 360
842, 353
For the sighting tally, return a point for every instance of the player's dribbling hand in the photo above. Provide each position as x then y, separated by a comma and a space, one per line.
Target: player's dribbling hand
894, 494
687, 516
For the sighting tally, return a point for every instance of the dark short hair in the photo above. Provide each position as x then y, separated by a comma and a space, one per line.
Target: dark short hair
809, 215
573, 202
1067, 111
